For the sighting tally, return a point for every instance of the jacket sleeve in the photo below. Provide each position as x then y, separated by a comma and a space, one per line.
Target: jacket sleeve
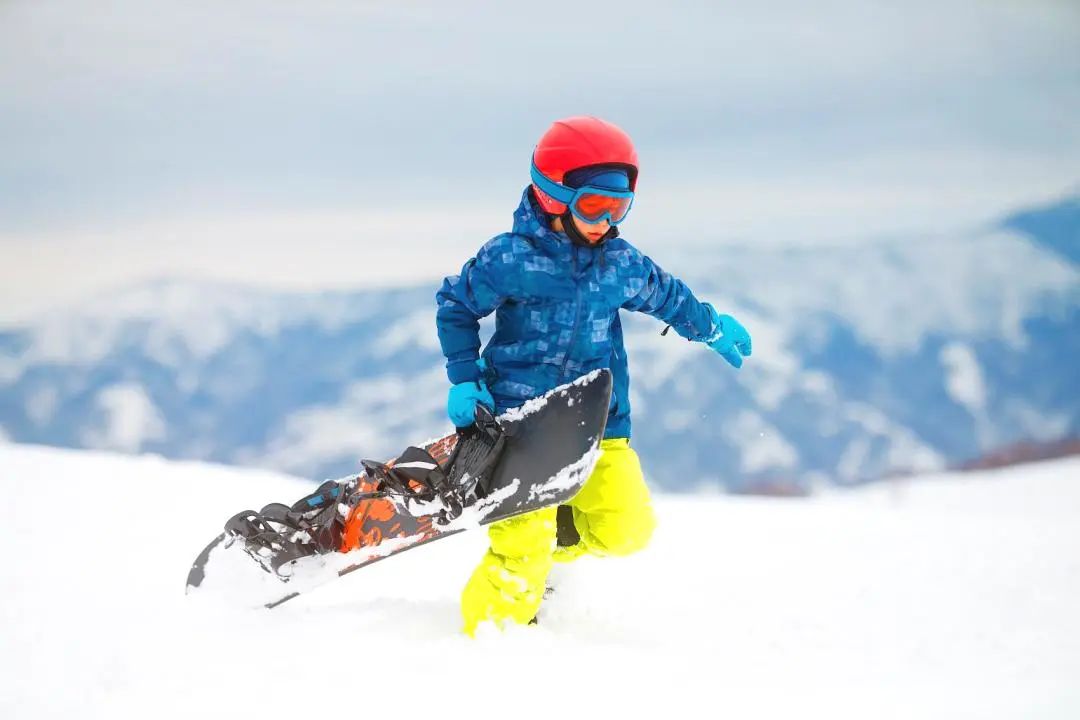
464, 299
655, 292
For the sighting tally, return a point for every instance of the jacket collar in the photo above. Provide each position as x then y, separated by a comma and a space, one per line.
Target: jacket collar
531, 221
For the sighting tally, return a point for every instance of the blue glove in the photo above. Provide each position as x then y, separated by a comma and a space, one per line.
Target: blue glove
464, 397
729, 338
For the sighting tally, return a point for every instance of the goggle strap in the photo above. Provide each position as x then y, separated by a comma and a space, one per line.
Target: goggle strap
559, 192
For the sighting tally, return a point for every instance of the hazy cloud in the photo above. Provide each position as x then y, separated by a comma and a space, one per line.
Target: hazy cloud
833, 117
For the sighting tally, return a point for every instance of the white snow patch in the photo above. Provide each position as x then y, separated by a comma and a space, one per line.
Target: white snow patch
964, 379
816, 382
909, 454
178, 320
130, 419
1037, 423
364, 423
413, 332
473, 516
574, 474
905, 450
233, 579
534, 405
41, 404
11, 369
854, 457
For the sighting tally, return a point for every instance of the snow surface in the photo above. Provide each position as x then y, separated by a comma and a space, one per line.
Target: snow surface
939, 597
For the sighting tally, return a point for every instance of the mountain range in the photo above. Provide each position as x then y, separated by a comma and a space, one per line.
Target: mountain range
894, 356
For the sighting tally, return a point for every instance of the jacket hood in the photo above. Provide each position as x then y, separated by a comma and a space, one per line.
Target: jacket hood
534, 223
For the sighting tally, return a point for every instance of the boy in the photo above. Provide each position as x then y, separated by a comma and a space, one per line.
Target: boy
557, 282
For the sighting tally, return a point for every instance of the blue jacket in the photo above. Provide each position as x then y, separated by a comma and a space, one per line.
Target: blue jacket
557, 312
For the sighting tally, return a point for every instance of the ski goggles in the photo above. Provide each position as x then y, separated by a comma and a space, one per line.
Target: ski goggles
588, 203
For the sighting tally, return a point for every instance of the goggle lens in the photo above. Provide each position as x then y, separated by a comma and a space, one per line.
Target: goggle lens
591, 207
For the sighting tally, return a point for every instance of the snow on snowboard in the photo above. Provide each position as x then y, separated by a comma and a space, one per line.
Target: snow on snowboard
527, 458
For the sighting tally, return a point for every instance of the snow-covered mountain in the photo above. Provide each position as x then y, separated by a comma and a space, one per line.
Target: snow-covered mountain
895, 356
941, 597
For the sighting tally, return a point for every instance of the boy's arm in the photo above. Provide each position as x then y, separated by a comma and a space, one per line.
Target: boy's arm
462, 300
662, 295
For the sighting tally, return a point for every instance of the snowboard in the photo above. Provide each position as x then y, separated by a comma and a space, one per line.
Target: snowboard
527, 458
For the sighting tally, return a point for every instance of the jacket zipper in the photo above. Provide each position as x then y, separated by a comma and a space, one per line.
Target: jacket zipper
577, 317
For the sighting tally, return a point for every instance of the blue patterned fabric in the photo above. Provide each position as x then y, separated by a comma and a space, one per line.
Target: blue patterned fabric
557, 312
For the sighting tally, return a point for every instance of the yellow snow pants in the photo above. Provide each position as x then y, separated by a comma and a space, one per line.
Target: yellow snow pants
612, 514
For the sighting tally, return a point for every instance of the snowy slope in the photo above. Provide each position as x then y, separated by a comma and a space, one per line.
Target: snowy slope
942, 597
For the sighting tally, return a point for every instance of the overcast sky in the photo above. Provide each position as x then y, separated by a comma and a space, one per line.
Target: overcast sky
326, 143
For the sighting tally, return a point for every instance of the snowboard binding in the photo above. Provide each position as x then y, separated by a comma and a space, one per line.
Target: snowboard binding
279, 534
421, 486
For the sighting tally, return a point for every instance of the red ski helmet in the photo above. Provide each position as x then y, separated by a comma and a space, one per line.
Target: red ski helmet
578, 142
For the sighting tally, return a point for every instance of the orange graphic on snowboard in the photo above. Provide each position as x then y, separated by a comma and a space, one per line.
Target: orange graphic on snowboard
373, 520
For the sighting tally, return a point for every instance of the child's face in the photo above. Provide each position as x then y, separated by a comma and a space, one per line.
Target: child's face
593, 232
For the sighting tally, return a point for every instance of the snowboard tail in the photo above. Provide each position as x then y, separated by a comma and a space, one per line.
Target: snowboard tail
527, 458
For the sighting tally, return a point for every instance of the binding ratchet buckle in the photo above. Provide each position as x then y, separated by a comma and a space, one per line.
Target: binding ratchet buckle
424, 487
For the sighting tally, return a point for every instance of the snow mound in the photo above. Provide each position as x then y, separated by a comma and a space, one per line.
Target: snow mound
939, 597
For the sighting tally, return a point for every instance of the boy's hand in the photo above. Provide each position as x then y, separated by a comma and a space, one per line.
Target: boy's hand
729, 338
464, 397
